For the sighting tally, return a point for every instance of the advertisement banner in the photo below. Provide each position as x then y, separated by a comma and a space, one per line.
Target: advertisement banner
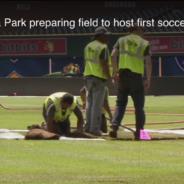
166, 44
33, 46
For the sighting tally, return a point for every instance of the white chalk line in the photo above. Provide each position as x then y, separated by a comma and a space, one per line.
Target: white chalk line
14, 134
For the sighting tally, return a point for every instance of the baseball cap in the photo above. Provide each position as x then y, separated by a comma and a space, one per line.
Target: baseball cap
102, 30
135, 27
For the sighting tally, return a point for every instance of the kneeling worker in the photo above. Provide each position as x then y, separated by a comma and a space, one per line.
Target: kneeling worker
57, 109
106, 108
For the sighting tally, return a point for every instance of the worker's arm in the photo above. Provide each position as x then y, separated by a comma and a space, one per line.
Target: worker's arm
104, 63
83, 94
114, 55
50, 124
50, 117
148, 63
148, 66
80, 120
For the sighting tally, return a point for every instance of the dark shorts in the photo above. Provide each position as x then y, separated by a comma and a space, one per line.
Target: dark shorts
61, 128
130, 81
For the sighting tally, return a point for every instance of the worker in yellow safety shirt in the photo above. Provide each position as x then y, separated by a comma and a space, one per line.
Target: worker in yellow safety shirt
57, 109
132, 50
98, 70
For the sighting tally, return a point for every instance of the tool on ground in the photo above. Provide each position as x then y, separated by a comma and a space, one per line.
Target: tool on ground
123, 126
16, 108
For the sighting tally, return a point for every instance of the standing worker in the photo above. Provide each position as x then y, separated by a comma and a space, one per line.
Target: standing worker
106, 107
57, 109
97, 71
132, 50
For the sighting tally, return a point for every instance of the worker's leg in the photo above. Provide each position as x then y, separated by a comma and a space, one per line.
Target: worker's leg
44, 125
121, 102
104, 124
98, 92
65, 126
56, 128
61, 128
89, 103
138, 98
44, 113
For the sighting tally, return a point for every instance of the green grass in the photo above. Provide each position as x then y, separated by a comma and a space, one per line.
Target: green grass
85, 162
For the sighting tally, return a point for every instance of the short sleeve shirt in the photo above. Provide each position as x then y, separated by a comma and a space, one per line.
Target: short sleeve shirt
52, 109
104, 54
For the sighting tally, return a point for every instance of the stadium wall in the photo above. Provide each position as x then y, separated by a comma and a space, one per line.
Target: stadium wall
74, 45
47, 86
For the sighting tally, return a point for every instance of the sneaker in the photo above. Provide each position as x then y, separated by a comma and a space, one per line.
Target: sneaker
136, 136
114, 128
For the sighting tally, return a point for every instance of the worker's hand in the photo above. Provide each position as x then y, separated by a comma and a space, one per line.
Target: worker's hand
84, 105
116, 77
110, 117
80, 124
111, 83
147, 84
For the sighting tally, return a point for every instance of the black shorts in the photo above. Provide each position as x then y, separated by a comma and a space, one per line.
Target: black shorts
61, 128
130, 81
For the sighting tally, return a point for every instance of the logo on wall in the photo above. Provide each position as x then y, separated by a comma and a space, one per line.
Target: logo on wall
49, 46
180, 62
37, 46
14, 74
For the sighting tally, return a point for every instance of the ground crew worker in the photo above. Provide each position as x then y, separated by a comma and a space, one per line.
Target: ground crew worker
57, 109
97, 72
106, 108
132, 50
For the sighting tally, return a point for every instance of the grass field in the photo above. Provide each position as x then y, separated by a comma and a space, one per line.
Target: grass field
109, 162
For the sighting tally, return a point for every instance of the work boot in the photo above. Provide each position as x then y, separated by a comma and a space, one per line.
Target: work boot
137, 135
113, 132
